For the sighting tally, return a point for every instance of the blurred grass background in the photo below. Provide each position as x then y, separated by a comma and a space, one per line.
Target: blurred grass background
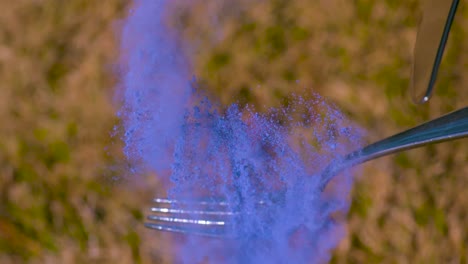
60, 201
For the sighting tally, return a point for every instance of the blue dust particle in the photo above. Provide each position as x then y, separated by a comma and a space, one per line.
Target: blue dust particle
236, 154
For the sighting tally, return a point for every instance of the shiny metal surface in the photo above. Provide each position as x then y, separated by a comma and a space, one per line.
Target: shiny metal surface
213, 217
430, 44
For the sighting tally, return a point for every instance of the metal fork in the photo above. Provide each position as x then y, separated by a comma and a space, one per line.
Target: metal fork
215, 217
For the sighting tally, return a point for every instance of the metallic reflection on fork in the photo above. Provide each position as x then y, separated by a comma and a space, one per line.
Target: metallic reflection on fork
216, 217
208, 217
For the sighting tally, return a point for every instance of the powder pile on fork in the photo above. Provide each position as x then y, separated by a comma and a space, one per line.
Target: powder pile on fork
234, 153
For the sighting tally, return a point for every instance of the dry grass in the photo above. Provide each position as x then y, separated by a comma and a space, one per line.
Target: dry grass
59, 202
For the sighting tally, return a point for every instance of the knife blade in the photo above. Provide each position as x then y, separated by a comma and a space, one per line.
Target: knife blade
431, 39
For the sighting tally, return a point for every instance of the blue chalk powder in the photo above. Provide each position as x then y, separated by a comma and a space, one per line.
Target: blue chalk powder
236, 153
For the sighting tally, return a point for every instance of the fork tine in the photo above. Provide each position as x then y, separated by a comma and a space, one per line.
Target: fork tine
177, 220
205, 217
214, 233
191, 202
211, 217
164, 210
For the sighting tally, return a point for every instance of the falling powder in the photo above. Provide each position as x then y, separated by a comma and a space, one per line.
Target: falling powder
237, 154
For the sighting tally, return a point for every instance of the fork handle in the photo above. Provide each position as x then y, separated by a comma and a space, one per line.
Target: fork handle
448, 127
